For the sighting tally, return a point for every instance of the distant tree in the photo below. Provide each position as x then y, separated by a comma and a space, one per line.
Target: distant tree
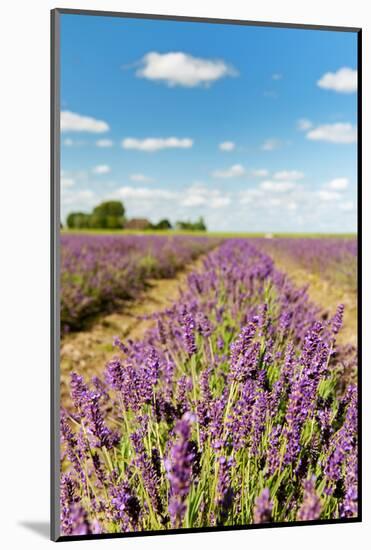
114, 222
108, 215
110, 208
163, 224
199, 225
97, 221
78, 220
183, 226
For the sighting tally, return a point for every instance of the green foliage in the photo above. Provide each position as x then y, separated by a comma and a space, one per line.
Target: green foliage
107, 215
162, 224
78, 220
198, 225
110, 209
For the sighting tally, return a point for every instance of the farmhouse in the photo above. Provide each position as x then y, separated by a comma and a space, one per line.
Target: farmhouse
138, 223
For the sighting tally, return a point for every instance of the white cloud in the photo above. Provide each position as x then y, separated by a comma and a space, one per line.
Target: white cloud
101, 169
277, 76
235, 171
227, 146
181, 69
196, 195
325, 195
66, 183
73, 122
144, 193
219, 202
68, 142
201, 195
344, 81
347, 206
338, 184
275, 202
194, 199
278, 186
156, 144
260, 173
340, 132
304, 124
271, 144
141, 178
250, 195
104, 143
288, 175
78, 199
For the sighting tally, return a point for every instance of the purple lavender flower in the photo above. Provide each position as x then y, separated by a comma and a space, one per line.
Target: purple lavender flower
203, 325
79, 523
311, 507
115, 374
150, 475
342, 442
241, 345
189, 325
118, 344
74, 518
102, 436
216, 427
263, 507
224, 492
239, 422
302, 398
161, 332
68, 498
259, 413
126, 506
273, 451
99, 470
79, 392
101, 389
149, 375
74, 451
337, 320
179, 470
184, 386
349, 506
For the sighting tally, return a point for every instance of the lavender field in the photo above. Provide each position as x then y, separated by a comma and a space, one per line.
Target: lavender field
332, 258
237, 407
99, 271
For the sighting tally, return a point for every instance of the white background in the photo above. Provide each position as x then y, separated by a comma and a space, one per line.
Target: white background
24, 272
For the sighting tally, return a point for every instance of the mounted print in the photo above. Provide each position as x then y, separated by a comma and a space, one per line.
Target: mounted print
205, 205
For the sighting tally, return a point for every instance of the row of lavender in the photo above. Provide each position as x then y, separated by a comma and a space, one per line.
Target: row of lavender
99, 271
233, 410
332, 258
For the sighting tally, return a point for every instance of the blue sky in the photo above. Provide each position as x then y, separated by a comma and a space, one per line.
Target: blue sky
253, 128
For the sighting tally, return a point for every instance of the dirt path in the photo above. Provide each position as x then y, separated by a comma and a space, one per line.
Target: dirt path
326, 295
88, 351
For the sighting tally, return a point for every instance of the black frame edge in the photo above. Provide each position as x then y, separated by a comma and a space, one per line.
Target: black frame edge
200, 530
359, 265
196, 19
54, 275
